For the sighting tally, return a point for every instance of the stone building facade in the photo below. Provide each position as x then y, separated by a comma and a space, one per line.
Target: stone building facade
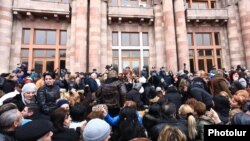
81, 35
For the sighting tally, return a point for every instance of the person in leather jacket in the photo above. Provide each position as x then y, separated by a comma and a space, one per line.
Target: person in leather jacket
48, 94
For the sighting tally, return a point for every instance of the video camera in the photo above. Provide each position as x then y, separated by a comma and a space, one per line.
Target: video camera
63, 72
23, 67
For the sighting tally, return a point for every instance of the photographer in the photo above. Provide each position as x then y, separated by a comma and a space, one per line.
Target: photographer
21, 73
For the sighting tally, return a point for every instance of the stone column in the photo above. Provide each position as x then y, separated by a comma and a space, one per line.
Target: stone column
104, 37
5, 34
181, 33
159, 37
234, 37
78, 36
71, 52
95, 35
170, 44
245, 28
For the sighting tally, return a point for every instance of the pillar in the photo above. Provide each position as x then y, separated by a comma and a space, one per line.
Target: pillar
159, 37
104, 37
5, 34
170, 40
95, 35
181, 33
78, 36
245, 28
234, 37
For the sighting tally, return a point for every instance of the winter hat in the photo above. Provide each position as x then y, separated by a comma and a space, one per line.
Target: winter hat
158, 89
60, 102
29, 87
96, 130
33, 130
142, 80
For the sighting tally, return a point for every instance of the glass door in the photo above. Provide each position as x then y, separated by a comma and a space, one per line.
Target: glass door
131, 59
43, 65
205, 64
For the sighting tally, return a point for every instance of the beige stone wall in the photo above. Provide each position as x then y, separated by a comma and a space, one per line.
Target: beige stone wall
5, 34
104, 37
159, 38
181, 33
78, 38
95, 35
244, 13
170, 38
235, 38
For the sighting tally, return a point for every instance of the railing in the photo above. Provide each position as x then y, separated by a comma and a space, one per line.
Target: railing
207, 14
125, 11
42, 6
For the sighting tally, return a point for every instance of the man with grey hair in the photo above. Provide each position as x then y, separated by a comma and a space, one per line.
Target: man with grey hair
10, 119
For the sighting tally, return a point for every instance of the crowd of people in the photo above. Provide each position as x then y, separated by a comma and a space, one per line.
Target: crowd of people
150, 106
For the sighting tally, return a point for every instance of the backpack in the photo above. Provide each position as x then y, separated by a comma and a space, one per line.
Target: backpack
110, 94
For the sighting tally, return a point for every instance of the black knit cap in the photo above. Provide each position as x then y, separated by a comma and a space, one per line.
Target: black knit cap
33, 130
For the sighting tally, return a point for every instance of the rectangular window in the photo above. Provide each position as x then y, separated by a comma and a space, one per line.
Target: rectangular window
130, 39
50, 53
190, 39
65, 1
191, 53
145, 39
114, 38
133, 3
62, 53
26, 36
191, 63
218, 52
114, 2
198, 39
40, 37
25, 53
38, 53
209, 52
200, 52
213, 4
115, 54
63, 37
134, 39
124, 2
51, 37
145, 53
125, 39
217, 38
45, 37
199, 5
219, 63
206, 39
203, 39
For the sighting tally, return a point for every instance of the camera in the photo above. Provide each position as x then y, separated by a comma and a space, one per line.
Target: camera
109, 67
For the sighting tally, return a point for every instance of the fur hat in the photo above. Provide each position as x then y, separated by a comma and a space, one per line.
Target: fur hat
96, 130
33, 130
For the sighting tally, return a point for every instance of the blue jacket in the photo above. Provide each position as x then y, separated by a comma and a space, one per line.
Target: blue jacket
113, 121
